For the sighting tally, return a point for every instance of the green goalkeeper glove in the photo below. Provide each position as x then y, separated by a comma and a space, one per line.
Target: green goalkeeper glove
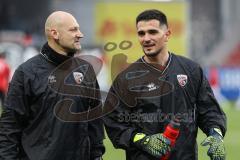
216, 150
156, 145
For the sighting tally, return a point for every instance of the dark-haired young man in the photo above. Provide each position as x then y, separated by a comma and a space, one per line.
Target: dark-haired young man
158, 87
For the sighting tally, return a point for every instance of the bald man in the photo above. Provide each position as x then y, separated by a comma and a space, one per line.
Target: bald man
46, 115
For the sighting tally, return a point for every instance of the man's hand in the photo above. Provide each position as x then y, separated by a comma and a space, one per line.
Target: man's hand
216, 150
156, 145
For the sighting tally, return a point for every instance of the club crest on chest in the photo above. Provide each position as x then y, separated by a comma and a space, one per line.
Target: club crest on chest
182, 79
78, 77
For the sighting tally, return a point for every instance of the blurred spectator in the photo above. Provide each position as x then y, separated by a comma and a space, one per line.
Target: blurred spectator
29, 52
4, 76
214, 80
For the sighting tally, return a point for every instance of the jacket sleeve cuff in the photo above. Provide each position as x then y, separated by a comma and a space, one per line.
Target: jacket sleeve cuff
97, 150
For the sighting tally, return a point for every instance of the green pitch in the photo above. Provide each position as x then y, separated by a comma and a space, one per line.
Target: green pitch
232, 140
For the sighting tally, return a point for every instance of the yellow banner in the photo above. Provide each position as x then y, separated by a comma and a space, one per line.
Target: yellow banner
115, 26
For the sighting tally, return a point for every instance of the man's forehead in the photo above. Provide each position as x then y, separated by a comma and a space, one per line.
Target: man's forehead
146, 24
69, 23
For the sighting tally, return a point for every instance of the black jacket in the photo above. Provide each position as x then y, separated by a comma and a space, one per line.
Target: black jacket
45, 113
148, 98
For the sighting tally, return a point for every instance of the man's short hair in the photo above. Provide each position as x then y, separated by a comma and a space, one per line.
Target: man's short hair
152, 14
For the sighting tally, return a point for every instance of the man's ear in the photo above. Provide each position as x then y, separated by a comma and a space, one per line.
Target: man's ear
54, 33
168, 34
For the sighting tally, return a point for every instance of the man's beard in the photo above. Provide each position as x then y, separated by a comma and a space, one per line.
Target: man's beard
153, 54
70, 51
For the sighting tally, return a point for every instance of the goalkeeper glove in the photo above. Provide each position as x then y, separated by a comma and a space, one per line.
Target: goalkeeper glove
216, 150
156, 145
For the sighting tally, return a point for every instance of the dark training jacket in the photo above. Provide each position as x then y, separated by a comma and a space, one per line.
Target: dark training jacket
45, 113
146, 98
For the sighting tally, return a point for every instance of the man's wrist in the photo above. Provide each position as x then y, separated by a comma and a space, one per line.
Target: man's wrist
138, 136
215, 131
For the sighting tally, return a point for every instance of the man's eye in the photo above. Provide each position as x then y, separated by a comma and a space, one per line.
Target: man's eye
152, 31
141, 33
74, 29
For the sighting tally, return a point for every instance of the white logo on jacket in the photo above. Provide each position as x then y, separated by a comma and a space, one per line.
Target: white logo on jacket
78, 77
52, 79
182, 79
151, 86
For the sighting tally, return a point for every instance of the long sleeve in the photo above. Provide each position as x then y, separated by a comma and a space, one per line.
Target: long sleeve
118, 129
95, 125
210, 114
13, 119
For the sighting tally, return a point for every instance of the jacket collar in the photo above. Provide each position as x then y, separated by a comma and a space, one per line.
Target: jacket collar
53, 56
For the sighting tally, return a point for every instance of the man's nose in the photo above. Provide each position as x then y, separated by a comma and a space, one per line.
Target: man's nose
80, 34
146, 38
